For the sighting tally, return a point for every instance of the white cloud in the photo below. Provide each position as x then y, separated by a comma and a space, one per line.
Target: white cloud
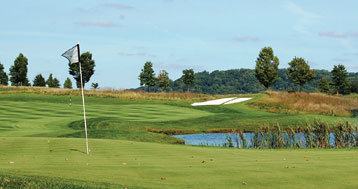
97, 23
306, 19
341, 59
352, 67
138, 54
179, 67
117, 6
332, 34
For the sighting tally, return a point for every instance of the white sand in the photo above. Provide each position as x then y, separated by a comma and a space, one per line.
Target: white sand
237, 100
213, 102
221, 101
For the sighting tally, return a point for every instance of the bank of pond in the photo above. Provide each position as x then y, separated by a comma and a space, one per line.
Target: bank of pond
317, 135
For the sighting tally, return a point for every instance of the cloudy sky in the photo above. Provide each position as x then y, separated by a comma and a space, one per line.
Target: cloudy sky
176, 34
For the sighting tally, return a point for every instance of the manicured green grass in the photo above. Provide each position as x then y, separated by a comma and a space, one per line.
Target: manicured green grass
154, 165
114, 118
38, 134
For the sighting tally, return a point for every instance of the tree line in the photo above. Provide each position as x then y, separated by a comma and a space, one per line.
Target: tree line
300, 73
148, 80
266, 75
18, 74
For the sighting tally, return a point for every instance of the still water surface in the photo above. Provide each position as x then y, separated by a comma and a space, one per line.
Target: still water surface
220, 139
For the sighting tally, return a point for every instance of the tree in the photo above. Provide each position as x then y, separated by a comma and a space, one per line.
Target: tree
299, 72
67, 84
323, 85
18, 72
95, 86
147, 76
163, 79
266, 67
354, 87
52, 82
56, 83
340, 80
188, 77
4, 80
87, 65
39, 81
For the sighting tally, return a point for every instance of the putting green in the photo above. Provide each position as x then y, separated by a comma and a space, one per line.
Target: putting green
24, 118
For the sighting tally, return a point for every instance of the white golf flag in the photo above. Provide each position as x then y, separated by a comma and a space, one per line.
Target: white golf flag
72, 54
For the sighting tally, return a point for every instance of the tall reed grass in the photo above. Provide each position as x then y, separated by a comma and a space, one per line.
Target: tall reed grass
316, 135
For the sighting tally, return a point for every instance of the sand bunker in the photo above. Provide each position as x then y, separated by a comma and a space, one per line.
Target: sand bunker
221, 101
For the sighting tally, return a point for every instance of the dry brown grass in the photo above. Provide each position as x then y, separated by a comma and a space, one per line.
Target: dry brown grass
219, 130
313, 103
111, 93
173, 131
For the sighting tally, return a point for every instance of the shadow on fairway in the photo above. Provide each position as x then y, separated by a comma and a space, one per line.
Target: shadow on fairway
76, 150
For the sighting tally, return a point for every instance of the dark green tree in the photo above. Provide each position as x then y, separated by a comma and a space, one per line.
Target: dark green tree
95, 86
163, 79
87, 65
354, 87
52, 82
39, 81
299, 72
147, 76
67, 84
18, 72
266, 67
188, 77
340, 80
56, 83
4, 80
323, 86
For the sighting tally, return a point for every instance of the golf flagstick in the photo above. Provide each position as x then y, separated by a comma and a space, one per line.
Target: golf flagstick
83, 98
73, 55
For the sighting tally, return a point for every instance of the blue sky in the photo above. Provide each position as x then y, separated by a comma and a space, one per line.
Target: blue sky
176, 34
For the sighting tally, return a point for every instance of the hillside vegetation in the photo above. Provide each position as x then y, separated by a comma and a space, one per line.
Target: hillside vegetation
239, 81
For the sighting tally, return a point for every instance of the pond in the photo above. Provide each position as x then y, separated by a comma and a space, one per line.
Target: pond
222, 139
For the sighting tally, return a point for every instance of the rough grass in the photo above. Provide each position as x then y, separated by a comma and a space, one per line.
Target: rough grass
307, 103
112, 93
353, 96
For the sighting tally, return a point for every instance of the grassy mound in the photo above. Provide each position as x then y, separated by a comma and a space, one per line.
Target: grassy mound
111, 128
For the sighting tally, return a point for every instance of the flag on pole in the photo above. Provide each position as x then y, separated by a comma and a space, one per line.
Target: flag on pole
72, 54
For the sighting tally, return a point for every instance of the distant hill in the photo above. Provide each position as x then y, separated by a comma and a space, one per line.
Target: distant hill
243, 81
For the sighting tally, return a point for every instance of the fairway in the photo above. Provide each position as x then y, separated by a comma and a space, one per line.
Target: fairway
42, 139
23, 117
150, 165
